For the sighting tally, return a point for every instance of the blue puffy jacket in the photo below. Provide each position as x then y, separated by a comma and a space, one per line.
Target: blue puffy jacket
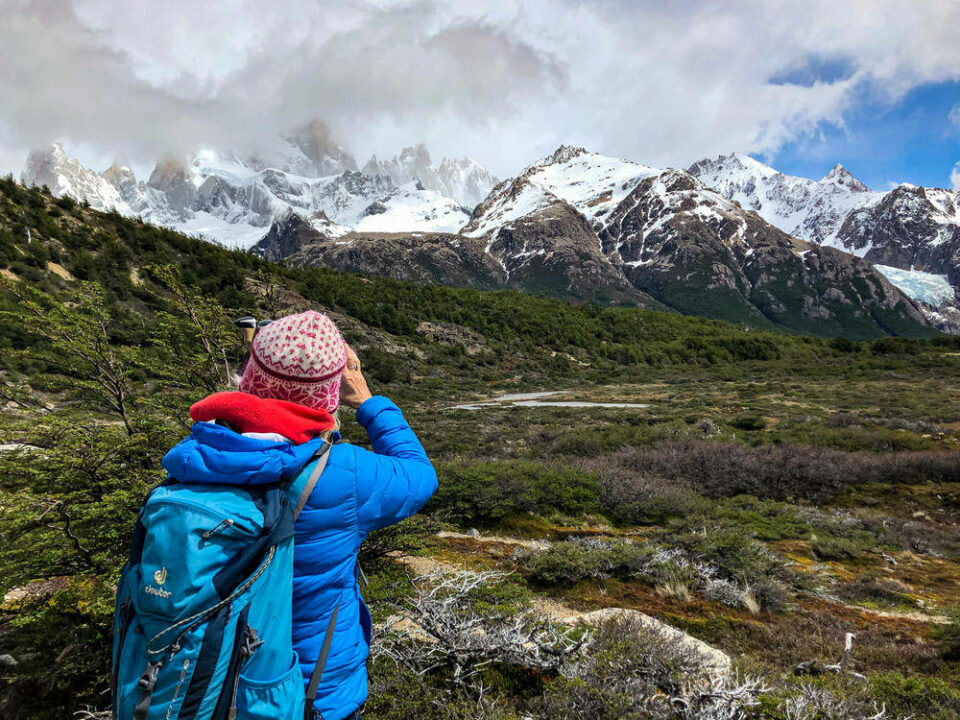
359, 492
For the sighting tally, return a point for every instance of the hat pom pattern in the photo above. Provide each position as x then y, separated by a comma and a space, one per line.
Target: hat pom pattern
299, 358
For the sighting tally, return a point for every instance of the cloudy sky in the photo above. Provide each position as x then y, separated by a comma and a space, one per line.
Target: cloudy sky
874, 84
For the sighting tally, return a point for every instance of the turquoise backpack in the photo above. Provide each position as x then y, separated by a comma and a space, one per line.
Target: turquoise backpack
202, 629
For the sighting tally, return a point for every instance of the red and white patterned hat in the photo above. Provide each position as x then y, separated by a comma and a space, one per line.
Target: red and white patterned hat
299, 358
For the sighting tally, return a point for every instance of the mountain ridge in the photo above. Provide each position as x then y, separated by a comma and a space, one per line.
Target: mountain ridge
593, 228
575, 224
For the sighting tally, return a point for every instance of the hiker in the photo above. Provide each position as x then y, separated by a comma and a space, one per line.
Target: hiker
281, 427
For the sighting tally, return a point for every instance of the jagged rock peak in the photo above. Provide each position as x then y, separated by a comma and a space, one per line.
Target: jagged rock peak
417, 154
316, 142
118, 173
839, 175
733, 162
564, 153
462, 179
372, 166
167, 170
67, 176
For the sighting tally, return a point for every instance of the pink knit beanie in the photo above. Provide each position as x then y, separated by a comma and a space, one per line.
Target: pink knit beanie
299, 358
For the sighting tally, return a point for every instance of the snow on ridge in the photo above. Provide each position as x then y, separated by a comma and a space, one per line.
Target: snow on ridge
812, 210
462, 179
926, 287
425, 210
516, 200
593, 184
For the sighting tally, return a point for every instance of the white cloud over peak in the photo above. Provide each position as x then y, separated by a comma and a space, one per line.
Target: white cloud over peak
505, 82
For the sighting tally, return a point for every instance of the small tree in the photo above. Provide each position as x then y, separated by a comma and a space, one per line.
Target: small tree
79, 337
197, 341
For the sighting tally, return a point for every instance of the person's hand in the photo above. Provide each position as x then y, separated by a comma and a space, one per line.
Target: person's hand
353, 386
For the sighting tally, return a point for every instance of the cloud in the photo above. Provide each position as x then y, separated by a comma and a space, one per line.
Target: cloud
505, 82
955, 176
954, 115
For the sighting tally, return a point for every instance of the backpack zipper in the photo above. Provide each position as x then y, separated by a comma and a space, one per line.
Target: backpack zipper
203, 510
223, 525
248, 646
125, 618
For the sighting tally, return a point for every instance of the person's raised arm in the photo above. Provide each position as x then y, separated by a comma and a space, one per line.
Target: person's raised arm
396, 479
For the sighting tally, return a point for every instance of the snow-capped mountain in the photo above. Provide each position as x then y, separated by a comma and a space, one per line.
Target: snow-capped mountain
914, 231
66, 176
590, 227
813, 210
463, 179
234, 198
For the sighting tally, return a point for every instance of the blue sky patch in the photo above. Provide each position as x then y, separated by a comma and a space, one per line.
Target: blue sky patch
815, 69
913, 139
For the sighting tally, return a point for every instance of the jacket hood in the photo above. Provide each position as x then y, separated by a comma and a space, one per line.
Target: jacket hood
217, 455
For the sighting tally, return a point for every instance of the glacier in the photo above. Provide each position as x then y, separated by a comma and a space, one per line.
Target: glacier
932, 289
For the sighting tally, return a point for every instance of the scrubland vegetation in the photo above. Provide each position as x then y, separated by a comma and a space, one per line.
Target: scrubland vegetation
776, 493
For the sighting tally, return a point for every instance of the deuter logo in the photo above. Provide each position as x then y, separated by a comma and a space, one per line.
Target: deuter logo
159, 577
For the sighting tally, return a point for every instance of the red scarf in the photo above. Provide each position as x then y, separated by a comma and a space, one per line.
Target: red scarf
249, 413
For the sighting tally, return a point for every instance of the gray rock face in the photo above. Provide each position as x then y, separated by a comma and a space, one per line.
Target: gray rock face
287, 237
170, 179
423, 257
324, 155
910, 228
553, 253
741, 268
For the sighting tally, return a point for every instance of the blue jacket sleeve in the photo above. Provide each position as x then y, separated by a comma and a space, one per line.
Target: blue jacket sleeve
396, 479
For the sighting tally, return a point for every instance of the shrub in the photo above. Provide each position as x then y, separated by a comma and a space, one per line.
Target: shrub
836, 548
382, 366
948, 637
772, 594
406, 537
66, 202
631, 498
894, 346
719, 469
742, 559
488, 493
632, 672
565, 563
844, 345
749, 422
921, 697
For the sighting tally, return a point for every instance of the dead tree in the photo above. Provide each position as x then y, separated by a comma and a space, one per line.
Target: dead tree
441, 627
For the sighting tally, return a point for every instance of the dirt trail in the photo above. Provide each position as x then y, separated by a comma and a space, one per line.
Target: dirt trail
498, 539
915, 616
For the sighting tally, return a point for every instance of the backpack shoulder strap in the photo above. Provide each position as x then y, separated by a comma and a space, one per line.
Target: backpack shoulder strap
322, 455
311, 693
